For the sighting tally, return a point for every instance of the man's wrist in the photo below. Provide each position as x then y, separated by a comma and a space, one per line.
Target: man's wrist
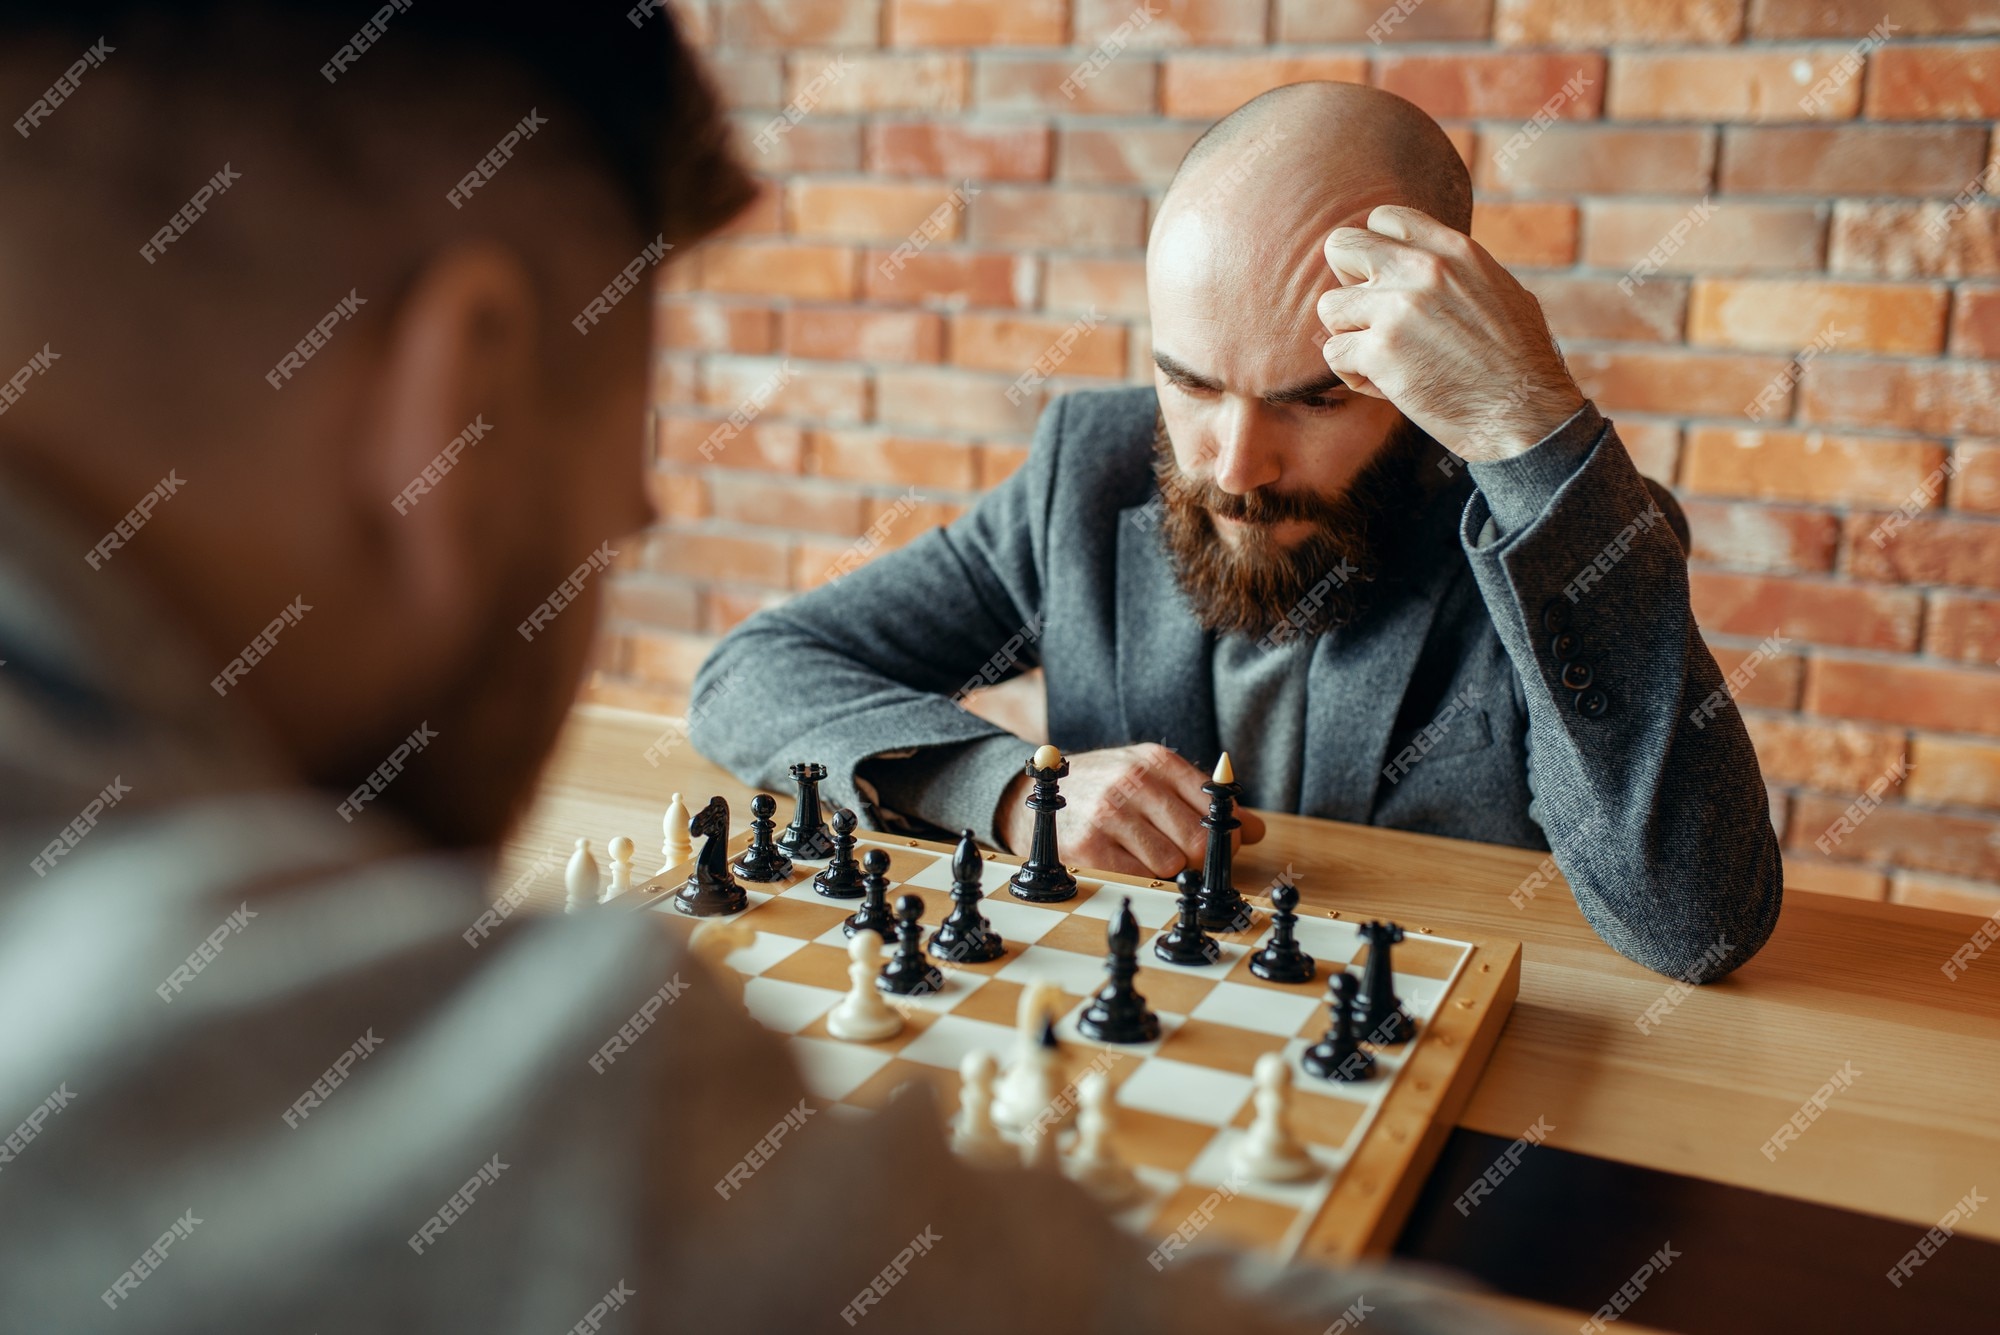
1517, 428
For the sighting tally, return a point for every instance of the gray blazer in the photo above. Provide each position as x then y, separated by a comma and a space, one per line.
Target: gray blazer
1445, 710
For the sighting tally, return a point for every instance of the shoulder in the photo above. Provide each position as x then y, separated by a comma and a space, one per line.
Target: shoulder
1097, 445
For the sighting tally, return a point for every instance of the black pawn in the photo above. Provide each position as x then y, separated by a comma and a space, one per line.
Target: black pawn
761, 861
842, 877
1185, 942
1383, 1020
1043, 879
806, 837
1340, 1056
909, 974
965, 937
1118, 1014
874, 912
1223, 908
1281, 960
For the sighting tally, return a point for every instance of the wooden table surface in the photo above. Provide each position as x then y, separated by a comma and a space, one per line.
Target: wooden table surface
1843, 985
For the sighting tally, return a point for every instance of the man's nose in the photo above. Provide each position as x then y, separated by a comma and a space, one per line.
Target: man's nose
1243, 462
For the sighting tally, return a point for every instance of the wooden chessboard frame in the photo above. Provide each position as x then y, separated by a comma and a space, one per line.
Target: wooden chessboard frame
1374, 1192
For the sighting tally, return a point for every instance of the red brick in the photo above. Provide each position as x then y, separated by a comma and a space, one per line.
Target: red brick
715, 326
809, 146
1963, 552
1497, 84
1139, 354
1939, 399
1594, 308
666, 657
692, 17
872, 211
1858, 18
805, 390
764, 215
662, 603
1934, 82
1068, 219
730, 608
1853, 616
748, 82
1975, 323
780, 269
745, 498
677, 498
899, 521
1121, 88
1176, 22
1934, 240
950, 277
1805, 466
980, 153
1939, 698
952, 400
1976, 485
1141, 155
619, 692
1373, 21
1963, 629
1832, 757
1752, 85
1761, 537
1620, 22
997, 463
1672, 382
817, 561
1944, 894
853, 333
772, 447
1596, 160
861, 83
1527, 232
1207, 87
1655, 447
725, 556
787, 24
977, 22
908, 461
675, 379
1013, 344
1115, 287
1850, 159
1804, 871
1619, 234
1953, 772
1901, 836
1773, 683
1783, 315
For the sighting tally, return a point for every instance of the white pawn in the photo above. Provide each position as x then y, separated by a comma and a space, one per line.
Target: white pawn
974, 1136
1027, 1091
1269, 1152
1095, 1165
863, 1016
581, 878
677, 846
621, 869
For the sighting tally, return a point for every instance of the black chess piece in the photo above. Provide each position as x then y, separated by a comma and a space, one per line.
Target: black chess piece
842, 877
965, 937
1043, 879
761, 861
874, 912
1223, 908
710, 890
1281, 960
1383, 1020
1185, 942
1118, 1014
908, 973
1339, 1056
806, 838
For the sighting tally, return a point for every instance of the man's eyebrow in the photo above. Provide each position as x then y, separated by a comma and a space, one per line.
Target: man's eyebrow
1187, 375
1312, 389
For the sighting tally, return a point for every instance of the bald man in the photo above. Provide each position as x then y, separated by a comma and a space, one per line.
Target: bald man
1364, 533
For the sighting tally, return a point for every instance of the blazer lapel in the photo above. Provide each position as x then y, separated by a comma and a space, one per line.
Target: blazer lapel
1163, 653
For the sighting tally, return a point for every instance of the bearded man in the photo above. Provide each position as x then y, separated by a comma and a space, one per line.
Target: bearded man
1364, 534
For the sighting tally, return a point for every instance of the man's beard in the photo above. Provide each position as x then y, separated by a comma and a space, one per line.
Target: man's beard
1276, 592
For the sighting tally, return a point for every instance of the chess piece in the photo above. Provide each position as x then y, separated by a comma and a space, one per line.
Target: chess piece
1043, 879
1028, 1089
1118, 1014
1339, 1056
1382, 1020
762, 861
710, 890
965, 937
974, 1136
621, 869
806, 838
675, 846
714, 941
909, 974
841, 877
1269, 1152
1223, 908
580, 879
873, 915
862, 1016
1185, 942
1281, 960
1096, 1165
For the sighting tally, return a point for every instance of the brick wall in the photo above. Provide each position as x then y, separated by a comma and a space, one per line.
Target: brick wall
1832, 274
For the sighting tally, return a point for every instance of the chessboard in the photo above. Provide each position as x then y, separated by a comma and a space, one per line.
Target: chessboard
1180, 1102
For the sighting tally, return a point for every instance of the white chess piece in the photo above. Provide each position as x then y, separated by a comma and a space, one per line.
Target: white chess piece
974, 1136
1095, 1165
1269, 1152
581, 878
621, 869
863, 1016
677, 846
714, 941
1027, 1091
